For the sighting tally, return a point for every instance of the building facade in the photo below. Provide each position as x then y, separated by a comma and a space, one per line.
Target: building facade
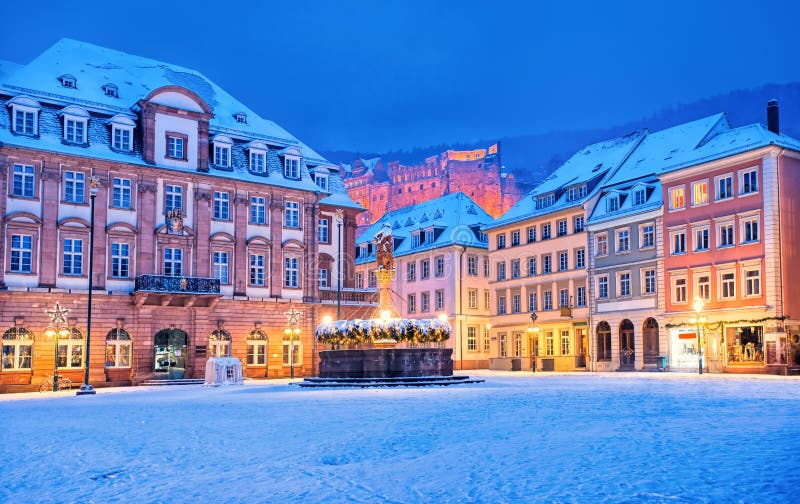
438, 251
208, 221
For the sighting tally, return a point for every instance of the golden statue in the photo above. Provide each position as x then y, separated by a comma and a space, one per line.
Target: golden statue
385, 248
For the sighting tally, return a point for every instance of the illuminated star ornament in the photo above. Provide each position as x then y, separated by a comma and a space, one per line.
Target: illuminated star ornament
292, 314
57, 314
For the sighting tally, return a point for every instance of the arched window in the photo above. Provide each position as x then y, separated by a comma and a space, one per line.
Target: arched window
219, 343
17, 348
603, 341
118, 348
70, 350
257, 343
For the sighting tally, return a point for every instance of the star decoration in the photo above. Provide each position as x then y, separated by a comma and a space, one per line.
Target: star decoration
293, 315
57, 314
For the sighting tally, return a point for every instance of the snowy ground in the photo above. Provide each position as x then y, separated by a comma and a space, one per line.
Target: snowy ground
516, 438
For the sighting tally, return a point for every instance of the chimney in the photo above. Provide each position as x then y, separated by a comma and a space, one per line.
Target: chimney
772, 116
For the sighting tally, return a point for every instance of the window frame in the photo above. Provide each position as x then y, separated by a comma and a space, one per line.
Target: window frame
673, 198
696, 186
75, 121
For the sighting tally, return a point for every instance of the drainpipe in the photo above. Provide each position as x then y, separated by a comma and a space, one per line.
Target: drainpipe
461, 302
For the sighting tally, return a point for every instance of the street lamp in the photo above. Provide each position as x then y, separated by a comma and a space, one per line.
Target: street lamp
533, 333
339, 219
87, 389
292, 330
56, 319
698, 308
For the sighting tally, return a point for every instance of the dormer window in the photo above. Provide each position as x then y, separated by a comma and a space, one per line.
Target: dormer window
111, 90
122, 133
68, 81
258, 157
545, 201
222, 151
415, 239
577, 192
321, 181
612, 203
639, 196
291, 168
76, 123
429, 237
24, 115
240, 117
176, 146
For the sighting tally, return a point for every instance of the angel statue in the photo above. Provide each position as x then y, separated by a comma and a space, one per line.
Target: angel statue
384, 245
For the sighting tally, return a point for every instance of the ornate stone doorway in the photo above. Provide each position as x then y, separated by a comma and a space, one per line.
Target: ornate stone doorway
170, 347
627, 349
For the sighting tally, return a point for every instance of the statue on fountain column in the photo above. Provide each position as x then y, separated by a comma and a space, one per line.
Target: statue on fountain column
385, 245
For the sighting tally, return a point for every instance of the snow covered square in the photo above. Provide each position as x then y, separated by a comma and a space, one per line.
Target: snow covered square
514, 438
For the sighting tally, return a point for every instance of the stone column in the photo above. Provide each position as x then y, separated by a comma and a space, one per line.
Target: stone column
100, 237
146, 213
241, 266
202, 232
276, 237
310, 256
48, 240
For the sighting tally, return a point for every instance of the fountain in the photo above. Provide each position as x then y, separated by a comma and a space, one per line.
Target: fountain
380, 358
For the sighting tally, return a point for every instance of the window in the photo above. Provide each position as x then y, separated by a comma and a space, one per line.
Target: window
727, 285
174, 198
70, 350
679, 290
291, 217
545, 231
220, 261
257, 348
533, 302
602, 287
515, 268
603, 341
624, 284
486, 299
518, 344
501, 241
725, 238
501, 270
222, 154
548, 343
176, 147
121, 193
221, 205
750, 230
601, 245
291, 168
516, 303
565, 342
547, 301
173, 262
487, 341
472, 265
486, 266
258, 210
425, 269
580, 258
748, 181
531, 266
373, 280
580, 296
545, 201
424, 302
118, 348
257, 262
701, 239
292, 277
412, 303
472, 299
531, 234
322, 182
752, 282
514, 238
623, 241
699, 193
612, 203
415, 240
547, 264
439, 300
501, 305
677, 199
21, 254
439, 266
74, 187
562, 227
323, 234
120, 260
294, 356
257, 161
563, 297
562, 261
649, 281
121, 138
25, 121
73, 257
411, 271
503, 345
472, 338
359, 280
724, 185
75, 130
23, 181
639, 196
703, 287
678, 242
579, 222
17, 348
648, 236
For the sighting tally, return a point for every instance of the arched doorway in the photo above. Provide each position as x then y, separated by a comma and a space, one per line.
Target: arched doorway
171, 348
650, 341
627, 351
603, 341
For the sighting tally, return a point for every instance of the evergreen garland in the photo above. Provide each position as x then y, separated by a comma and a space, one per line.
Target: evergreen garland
354, 332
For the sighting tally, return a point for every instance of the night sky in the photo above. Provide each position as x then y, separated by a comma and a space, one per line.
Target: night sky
377, 75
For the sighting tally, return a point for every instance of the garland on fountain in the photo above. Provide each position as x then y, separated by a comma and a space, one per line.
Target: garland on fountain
355, 332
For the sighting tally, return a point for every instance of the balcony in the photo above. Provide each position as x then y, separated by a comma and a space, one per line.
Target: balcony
349, 296
161, 290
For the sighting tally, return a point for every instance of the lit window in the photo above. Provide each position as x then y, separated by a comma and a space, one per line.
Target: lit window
296, 354
70, 350
472, 338
17, 348
565, 342
257, 348
118, 348
699, 193
219, 343
548, 343
677, 198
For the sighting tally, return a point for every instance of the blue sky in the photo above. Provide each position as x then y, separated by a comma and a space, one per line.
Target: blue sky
378, 75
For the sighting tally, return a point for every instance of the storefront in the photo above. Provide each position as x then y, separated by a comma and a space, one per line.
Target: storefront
684, 354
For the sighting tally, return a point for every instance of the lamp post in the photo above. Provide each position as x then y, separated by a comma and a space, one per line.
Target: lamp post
87, 389
533, 333
339, 219
698, 308
56, 319
292, 330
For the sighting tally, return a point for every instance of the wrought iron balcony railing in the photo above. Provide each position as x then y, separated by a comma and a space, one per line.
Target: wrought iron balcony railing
178, 285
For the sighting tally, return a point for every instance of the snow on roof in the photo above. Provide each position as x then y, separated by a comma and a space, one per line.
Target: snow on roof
7, 68
627, 204
136, 76
456, 217
369, 164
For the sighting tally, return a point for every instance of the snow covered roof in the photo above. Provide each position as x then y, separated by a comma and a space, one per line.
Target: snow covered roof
455, 218
369, 164
627, 204
7, 68
135, 77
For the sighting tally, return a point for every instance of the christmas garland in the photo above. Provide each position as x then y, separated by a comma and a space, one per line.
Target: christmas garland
718, 325
354, 332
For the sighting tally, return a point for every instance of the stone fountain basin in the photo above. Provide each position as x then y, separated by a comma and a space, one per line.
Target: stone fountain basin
386, 363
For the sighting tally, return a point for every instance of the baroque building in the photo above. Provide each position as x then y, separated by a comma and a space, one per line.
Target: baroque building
208, 221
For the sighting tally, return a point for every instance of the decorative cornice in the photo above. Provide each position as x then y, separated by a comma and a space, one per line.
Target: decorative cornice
202, 194
143, 187
241, 200
50, 174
